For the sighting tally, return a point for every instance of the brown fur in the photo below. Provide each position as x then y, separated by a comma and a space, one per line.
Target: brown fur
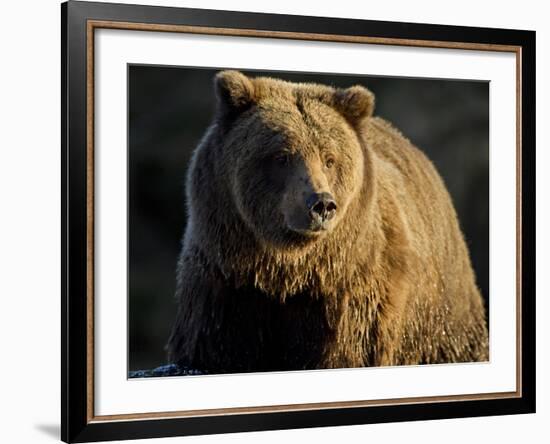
389, 282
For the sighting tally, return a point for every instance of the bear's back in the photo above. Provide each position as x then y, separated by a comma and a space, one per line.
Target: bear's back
443, 282
414, 181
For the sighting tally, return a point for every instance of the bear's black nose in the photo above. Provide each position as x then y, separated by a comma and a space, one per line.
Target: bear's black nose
321, 206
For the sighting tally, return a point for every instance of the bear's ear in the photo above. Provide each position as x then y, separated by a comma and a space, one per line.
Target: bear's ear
355, 103
234, 90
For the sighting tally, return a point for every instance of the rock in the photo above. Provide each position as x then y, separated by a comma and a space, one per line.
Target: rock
164, 370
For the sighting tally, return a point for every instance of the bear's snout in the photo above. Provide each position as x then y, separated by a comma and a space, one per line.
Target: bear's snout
322, 208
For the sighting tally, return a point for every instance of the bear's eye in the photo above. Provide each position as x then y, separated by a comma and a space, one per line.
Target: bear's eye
329, 162
282, 158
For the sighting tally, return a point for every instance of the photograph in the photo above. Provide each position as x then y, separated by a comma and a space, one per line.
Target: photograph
285, 221
279, 221
275, 222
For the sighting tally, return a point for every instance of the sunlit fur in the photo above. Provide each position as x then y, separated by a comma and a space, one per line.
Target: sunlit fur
389, 283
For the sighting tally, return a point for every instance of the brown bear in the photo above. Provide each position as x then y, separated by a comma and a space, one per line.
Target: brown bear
318, 237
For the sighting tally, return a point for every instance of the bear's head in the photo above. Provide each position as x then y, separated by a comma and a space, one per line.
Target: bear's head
291, 154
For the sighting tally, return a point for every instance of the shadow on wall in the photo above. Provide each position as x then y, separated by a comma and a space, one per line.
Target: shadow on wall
169, 110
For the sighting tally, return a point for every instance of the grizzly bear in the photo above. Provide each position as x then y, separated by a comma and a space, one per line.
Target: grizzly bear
318, 237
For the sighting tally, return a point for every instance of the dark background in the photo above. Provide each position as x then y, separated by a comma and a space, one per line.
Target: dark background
169, 110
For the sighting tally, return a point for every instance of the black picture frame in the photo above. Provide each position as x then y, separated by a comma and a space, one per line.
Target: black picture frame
77, 425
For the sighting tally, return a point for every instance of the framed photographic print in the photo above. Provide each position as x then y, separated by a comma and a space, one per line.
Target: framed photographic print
277, 221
